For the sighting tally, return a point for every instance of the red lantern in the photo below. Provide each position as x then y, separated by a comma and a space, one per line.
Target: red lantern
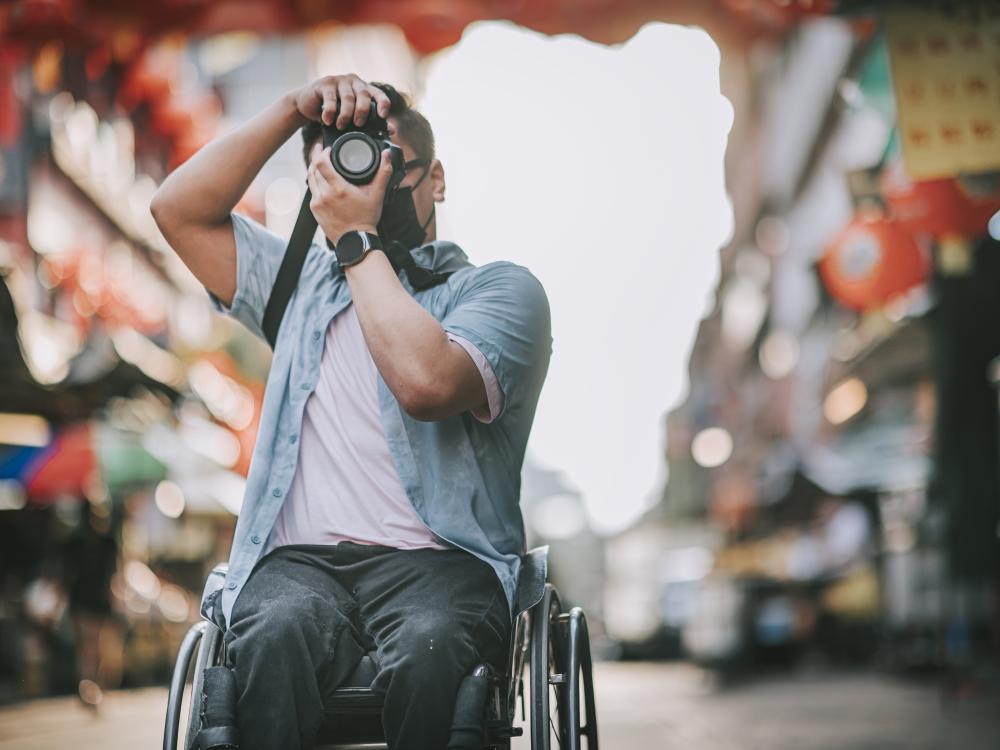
150, 78
871, 261
429, 25
936, 208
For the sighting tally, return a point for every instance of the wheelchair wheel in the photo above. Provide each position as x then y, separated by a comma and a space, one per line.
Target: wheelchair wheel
209, 654
579, 672
560, 665
547, 693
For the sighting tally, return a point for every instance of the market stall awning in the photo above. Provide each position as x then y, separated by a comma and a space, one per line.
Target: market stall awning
429, 25
66, 465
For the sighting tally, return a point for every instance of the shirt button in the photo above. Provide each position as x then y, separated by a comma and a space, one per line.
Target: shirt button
276, 492
231, 585
305, 386
255, 539
316, 335
293, 438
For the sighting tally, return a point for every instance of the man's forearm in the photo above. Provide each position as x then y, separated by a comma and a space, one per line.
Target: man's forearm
207, 186
430, 376
405, 340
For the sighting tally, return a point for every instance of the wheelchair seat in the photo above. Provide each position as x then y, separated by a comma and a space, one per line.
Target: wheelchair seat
353, 711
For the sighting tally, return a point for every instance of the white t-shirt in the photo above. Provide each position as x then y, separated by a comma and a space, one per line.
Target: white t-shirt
346, 487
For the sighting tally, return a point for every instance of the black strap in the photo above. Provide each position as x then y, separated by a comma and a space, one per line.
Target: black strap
420, 278
290, 270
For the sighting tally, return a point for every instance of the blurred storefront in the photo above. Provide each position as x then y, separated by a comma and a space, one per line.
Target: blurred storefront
128, 411
841, 428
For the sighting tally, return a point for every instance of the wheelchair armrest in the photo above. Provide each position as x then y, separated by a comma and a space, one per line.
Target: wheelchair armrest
216, 579
531, 579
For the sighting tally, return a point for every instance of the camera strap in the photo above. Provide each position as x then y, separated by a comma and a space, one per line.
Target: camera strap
289, 271
420, 278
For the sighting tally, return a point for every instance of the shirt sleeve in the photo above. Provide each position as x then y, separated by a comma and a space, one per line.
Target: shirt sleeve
494, 397
258, 256
502, 310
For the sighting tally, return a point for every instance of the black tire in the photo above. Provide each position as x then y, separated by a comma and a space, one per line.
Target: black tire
547, 684
579, 665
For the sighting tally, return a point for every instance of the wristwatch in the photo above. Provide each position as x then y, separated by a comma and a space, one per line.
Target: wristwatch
353, 246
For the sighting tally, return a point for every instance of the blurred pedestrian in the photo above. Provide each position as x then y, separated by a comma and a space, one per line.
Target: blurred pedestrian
90, 562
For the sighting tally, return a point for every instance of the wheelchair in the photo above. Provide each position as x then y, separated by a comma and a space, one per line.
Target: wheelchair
554, 644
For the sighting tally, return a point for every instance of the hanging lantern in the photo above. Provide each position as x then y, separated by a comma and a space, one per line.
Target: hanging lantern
149, 79
936, 208
431, 25
871, 261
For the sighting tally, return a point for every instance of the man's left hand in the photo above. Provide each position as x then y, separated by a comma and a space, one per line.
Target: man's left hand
340, 206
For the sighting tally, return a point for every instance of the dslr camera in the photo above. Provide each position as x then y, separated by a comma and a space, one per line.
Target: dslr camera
356, 151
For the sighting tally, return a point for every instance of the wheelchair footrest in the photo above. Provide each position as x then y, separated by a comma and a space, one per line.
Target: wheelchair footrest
218, 711
468, 731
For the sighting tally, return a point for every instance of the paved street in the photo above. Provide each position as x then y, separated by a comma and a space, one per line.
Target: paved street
641, 706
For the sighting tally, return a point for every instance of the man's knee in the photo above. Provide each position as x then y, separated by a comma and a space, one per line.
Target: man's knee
431, 646
275, 628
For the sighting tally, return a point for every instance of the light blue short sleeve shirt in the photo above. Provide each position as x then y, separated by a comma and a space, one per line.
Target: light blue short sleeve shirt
462, 476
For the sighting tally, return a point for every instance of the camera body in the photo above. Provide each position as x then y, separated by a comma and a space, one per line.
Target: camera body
356, 151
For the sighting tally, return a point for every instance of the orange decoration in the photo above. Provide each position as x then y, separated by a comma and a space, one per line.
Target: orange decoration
935, 207
429, 25
871, 261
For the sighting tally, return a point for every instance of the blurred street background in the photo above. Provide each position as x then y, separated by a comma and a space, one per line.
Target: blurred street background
772, 479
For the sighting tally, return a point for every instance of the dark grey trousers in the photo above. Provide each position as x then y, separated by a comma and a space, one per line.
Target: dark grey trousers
308, 613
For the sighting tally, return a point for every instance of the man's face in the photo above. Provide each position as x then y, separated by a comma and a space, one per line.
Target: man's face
427, 193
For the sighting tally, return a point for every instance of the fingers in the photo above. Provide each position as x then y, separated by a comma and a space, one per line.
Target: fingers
381, 100
316, 186
354, 97
362, 103
324, 166
327, 90
316, 178
384, 173
345, 91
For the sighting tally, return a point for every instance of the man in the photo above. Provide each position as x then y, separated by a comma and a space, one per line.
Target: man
381, 509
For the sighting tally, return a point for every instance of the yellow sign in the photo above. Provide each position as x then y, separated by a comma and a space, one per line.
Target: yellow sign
946, 73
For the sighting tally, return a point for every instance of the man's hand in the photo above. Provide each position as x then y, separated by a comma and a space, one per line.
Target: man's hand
318, 101
340, 206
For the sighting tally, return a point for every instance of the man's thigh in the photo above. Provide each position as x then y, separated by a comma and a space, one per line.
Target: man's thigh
414, 601
293, 603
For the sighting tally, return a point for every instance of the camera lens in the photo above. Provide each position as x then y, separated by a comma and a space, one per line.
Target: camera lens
356, 155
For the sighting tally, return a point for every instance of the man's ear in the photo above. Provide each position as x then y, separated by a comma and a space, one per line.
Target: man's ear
437, 181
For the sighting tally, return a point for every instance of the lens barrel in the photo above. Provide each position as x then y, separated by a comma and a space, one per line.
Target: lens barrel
356, 157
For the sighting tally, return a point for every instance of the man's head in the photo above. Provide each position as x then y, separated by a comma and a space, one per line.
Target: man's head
411, 131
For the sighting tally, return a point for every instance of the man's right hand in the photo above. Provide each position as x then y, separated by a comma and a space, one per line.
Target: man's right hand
319, 100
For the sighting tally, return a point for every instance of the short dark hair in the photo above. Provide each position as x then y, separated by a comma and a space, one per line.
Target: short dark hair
411, 126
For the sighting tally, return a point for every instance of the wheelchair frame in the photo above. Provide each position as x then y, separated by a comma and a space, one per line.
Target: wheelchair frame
556, 645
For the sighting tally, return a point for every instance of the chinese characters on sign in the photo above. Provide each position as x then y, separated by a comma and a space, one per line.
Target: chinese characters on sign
946, 73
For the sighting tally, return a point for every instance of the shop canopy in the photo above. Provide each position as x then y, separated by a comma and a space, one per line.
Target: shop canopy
430, 25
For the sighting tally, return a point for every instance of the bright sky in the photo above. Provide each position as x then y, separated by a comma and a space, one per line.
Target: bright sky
600, 169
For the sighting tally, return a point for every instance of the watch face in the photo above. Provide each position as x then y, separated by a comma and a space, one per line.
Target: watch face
350, 248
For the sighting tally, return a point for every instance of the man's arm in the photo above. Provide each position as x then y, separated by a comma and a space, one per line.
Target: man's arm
193, 205
430, 376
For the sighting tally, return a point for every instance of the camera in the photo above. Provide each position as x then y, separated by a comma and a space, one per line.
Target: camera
357, 150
